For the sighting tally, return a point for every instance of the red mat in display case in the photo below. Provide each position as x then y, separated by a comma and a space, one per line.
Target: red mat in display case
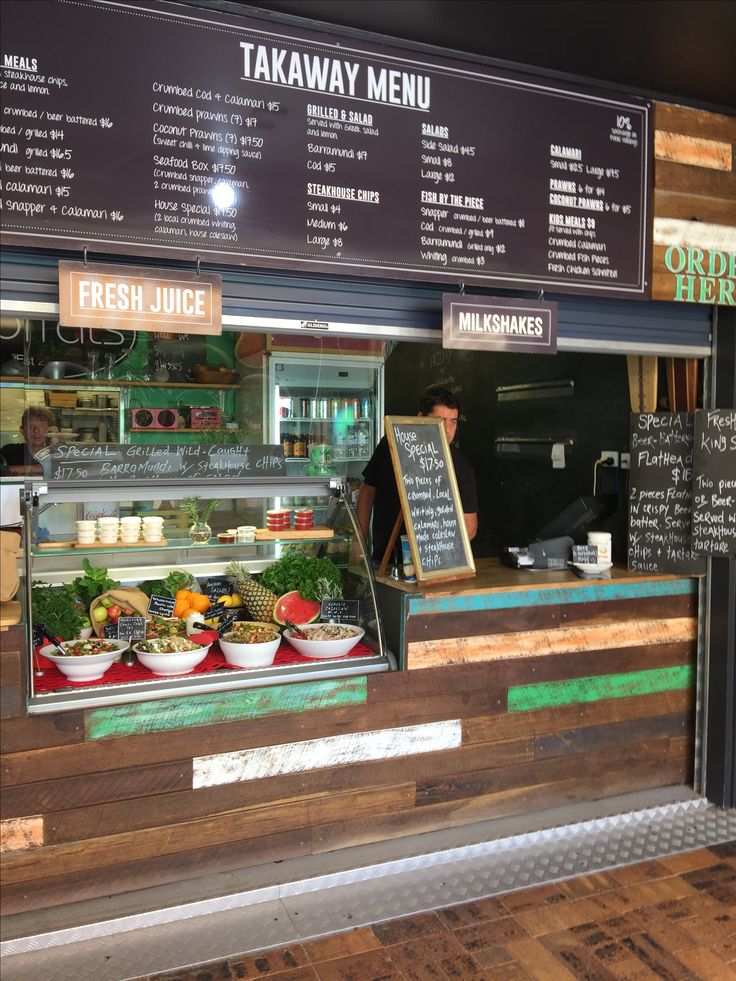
118, 674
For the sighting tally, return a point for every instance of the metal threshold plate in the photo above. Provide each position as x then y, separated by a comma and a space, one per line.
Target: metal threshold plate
135, 946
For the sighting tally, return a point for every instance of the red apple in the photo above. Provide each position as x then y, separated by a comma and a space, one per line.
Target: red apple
114, 612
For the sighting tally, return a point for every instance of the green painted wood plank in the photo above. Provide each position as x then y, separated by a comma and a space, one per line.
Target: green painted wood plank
548, 694
548, 596
203, 710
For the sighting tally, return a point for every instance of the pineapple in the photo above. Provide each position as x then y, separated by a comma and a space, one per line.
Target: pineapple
259, 600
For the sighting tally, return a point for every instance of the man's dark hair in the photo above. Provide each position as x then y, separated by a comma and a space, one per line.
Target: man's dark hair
438, 395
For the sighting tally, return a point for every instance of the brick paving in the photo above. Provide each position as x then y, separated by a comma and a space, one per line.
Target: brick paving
673, 919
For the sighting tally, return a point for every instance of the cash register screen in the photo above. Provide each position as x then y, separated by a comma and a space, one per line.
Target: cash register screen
577, 517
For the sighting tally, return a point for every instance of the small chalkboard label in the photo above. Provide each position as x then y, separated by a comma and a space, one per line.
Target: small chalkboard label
131, 628
110, 630
430, 498
227, 619
714, 483
660, 494
39, 635
340, 609
218, 586
585, 554
162, 606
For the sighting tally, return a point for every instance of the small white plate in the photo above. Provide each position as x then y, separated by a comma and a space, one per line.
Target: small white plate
591, 568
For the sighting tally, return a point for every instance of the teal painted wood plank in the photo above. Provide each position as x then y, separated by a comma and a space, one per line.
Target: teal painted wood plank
552, 596
203, 710
549, 694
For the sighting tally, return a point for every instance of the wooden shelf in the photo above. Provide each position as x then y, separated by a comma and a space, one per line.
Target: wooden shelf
115, 384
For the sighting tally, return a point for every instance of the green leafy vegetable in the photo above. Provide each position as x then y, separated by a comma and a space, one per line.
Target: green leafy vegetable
168, 586
93, 583
294, 570
56, 607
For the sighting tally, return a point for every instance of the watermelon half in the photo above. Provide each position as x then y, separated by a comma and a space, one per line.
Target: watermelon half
292, 606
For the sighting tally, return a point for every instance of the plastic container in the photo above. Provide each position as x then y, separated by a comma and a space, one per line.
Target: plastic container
602, 541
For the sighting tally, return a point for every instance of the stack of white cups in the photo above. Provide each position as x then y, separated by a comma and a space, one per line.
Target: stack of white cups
108, 528
153, 528
86, 531
130, 529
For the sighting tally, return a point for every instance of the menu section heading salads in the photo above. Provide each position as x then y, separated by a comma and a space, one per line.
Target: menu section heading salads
165, 130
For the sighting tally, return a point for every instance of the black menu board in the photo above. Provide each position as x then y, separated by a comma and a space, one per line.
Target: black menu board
714, 483
165, 130
168, 461
660, 494
430, 499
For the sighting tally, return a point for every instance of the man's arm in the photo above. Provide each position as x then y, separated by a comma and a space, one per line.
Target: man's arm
364, 507
471, 523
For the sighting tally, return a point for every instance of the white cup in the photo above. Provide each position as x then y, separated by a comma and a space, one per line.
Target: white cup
245, 534
108, 536
602, 541
87, 526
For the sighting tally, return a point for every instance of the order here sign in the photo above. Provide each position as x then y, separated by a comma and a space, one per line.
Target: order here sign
139, 298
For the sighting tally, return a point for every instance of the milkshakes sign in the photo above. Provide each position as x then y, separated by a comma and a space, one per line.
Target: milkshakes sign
138, 298
494, 324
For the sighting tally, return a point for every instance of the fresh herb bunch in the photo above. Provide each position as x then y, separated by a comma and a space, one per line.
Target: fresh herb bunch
168, 586
93, 583
190, 507
295, 570
56, 607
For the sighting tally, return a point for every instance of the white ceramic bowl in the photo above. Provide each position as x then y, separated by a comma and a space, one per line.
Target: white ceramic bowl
250, 655
181, 662
323, 648
88, 667
276, 627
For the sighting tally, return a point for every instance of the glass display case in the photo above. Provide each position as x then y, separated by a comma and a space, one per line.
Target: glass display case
320, 573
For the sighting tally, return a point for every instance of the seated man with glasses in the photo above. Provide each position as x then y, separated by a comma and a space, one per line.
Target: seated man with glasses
38, 429
379, 495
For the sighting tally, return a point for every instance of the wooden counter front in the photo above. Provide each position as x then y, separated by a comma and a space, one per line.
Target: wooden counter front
524, 691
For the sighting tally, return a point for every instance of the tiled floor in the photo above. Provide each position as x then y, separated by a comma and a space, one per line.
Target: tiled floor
674, 918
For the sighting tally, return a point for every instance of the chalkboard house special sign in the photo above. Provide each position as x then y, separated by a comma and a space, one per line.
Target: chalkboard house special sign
430, 498
660, 494
158, 128
714, 489
118, 461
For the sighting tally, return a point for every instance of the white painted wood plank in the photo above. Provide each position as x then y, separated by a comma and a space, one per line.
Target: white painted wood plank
694, 234
314, 754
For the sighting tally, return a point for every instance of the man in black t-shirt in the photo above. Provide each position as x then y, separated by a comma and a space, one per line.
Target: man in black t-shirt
379, 495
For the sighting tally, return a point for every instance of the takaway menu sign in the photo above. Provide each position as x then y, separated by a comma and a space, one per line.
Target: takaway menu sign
164, 130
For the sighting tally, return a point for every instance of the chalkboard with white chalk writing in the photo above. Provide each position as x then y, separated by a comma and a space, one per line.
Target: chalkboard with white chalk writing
714, 483
115, 461
430, 499
660, 494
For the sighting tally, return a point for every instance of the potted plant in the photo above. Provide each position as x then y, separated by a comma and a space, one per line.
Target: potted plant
199, 530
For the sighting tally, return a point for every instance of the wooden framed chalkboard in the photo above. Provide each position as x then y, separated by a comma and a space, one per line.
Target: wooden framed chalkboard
714, 483
430, 498
660, 494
